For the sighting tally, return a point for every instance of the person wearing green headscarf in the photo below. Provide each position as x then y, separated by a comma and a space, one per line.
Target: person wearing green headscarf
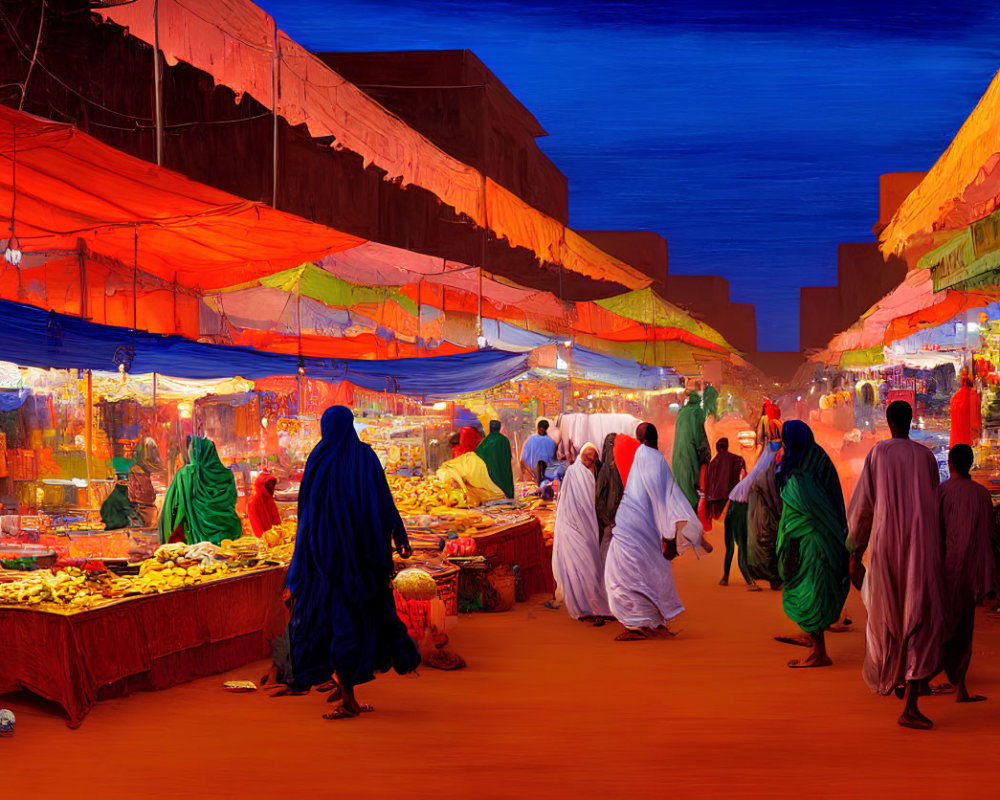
710, 401
200, 504
691, 449
495, 451
813, 560
116, 511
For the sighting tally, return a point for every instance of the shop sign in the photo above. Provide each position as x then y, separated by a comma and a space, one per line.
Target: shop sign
986, 234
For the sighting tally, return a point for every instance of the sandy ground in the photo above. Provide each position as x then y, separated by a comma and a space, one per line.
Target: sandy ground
547, 708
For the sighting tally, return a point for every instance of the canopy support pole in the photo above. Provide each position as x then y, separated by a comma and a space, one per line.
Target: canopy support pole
157, 88
275, 89
80, 250
88, 425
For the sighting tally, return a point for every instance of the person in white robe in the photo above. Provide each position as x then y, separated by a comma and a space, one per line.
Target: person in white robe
576, 548
654, 514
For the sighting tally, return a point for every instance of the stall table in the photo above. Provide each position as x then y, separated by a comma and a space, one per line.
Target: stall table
140, 643
521, 544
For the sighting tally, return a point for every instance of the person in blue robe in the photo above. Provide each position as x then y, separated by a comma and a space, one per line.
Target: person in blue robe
344, 627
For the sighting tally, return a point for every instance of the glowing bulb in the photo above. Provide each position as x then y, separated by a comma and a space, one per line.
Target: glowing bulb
439, 406
12, 255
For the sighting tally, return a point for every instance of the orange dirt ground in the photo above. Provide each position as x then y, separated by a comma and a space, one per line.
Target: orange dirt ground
547, 708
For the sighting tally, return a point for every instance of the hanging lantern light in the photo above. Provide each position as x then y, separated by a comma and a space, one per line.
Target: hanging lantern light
12, 254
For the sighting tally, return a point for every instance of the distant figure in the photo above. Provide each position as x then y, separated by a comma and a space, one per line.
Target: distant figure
263, 511
608, 491
653, 516
344, 620
141, 493
468, 440
812, 556
722, 476
966, 415
538, 455
495, 452
966, 516
894, 516
200, 505
576, 542
710, 401
691, 449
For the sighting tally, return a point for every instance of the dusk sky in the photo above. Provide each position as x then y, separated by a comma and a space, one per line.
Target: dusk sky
751, 138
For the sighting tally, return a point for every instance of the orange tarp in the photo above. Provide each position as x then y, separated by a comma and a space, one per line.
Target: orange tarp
235, 42
964, 184
71, 187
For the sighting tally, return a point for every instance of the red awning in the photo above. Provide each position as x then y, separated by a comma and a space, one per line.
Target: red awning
63, 186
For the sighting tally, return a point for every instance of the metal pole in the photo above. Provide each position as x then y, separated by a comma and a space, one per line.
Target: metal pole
157, 89
83, 278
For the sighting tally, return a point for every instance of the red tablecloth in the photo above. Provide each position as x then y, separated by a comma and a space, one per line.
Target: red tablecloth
144, 643
522, 545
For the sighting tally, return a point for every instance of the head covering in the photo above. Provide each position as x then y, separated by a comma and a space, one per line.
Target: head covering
796, 439
147, 456
694, 399
468, 440
610, 487
495, 452
263, 511
344, 616
624, 452
202, 498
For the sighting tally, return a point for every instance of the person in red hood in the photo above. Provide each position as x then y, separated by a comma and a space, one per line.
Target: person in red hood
966, 415
263, 511
468, 440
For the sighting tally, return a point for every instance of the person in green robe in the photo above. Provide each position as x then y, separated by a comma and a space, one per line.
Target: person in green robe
691, 449
117, 511
710, 401
200, 505
495, 451
812, 552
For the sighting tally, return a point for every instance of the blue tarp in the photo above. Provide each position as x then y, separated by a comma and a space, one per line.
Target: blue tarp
32, 337
621, 371
587, 363
12, 399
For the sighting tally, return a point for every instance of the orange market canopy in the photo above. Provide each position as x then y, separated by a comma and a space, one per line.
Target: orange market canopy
238, 44
65, 187
964, 184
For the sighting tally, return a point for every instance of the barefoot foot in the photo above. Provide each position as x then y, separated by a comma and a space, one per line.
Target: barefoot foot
630, 635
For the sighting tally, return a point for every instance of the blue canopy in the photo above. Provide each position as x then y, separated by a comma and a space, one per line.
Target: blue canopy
32, 337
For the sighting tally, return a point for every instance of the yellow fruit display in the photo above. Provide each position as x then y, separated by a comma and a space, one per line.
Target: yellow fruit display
426, 495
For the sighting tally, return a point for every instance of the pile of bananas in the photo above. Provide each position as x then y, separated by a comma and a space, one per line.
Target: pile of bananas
156, 575
428, 495
71, 587
280, 534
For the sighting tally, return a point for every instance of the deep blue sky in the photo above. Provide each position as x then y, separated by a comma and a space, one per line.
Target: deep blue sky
751, 136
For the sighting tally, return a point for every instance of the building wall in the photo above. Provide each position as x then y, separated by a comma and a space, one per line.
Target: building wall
707, 297
893, 188
454, 100
644, 250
